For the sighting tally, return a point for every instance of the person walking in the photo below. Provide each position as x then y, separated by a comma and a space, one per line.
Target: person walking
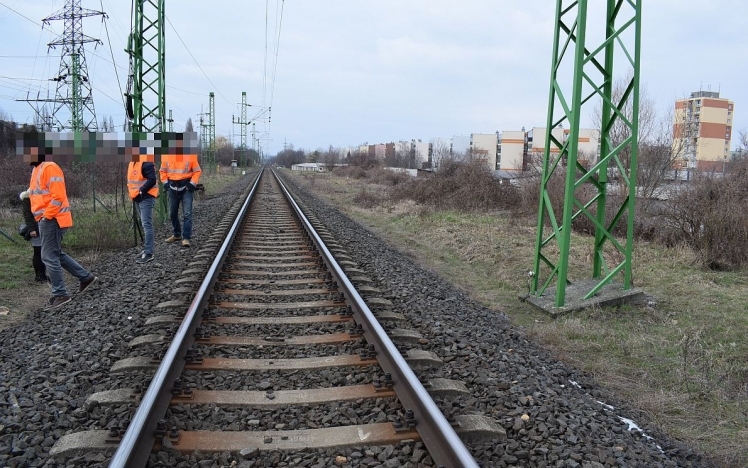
50, 207
180, 174
32, 235
141, 184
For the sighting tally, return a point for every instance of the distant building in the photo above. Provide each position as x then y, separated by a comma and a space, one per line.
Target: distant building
512, 151
309, 167
588, 144
702, 130
460, 145
423, 153
379, 151
484, 147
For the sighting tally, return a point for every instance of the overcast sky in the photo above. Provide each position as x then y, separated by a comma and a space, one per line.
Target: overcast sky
355, 71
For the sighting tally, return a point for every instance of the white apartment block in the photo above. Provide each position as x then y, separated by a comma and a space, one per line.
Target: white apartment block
484, 147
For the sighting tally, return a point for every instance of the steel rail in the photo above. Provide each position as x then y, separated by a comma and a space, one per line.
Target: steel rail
444, 445
137, 443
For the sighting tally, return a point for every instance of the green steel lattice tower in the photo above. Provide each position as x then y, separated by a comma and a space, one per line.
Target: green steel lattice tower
242, 122
147, 80
146, 84
209, 132
592, 65
73, 84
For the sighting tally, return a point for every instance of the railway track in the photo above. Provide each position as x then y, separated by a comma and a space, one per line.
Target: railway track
277, 342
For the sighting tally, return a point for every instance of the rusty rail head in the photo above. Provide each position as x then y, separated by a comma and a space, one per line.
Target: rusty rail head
444, 445
137, 443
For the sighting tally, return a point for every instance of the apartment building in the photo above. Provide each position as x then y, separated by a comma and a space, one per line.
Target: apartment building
511, 151
702, 130
484, 147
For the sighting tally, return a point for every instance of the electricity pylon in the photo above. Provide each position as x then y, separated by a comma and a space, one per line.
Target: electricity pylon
209, 131
73, 85
242, 122
146, 82
146, 85
592, 67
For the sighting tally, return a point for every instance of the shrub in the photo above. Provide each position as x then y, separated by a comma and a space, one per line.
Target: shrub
465, 186
709, 216
354, 172
367, 199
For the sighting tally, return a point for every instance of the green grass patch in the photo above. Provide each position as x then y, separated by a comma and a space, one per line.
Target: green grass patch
15, 263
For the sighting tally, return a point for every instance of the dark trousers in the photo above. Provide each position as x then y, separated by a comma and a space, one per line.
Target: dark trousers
40, 270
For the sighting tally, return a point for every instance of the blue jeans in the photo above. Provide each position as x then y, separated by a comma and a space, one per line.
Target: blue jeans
185, 197
55, 259
145, 207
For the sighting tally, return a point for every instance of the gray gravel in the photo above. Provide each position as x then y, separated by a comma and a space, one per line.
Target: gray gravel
53, 361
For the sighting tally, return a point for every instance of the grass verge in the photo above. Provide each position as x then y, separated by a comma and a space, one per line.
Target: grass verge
682, 359
107, 228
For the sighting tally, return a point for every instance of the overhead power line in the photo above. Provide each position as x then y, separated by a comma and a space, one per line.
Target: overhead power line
20, 14
196, 62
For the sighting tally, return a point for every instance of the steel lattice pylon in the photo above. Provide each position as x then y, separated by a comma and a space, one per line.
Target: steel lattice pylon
243, 131
147, 81
593, 75
209, 132
73, 85
242, 122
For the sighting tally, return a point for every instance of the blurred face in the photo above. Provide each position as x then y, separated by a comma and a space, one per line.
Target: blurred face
32, 156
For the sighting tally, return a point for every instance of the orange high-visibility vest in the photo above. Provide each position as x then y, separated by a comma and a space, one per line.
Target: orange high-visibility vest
48, 196
180, 167
135, 180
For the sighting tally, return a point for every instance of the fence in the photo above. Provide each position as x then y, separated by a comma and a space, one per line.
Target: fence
97, 192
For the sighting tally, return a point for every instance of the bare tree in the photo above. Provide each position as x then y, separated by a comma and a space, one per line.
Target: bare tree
188, 126
439, 151
649, 123
330, 158
224, 150
288, 157
660, 158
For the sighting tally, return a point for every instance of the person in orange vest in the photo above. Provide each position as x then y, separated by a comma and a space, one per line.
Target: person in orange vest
180, 174
50, 207
141, 184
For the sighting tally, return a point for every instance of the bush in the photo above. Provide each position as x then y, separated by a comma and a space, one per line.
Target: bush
387, 177
709, 216
457, 185
367, 199
354, 172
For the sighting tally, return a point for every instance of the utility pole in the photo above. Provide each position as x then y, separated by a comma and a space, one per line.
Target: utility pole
73, 85
209, 131
242, 122
254, 140
171, 122
592, 73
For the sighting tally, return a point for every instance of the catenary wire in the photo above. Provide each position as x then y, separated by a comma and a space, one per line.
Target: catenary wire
196, 62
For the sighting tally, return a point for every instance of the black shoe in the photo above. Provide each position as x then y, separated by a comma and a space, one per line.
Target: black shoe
86, 283
57, 301
144, 258
41, 279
